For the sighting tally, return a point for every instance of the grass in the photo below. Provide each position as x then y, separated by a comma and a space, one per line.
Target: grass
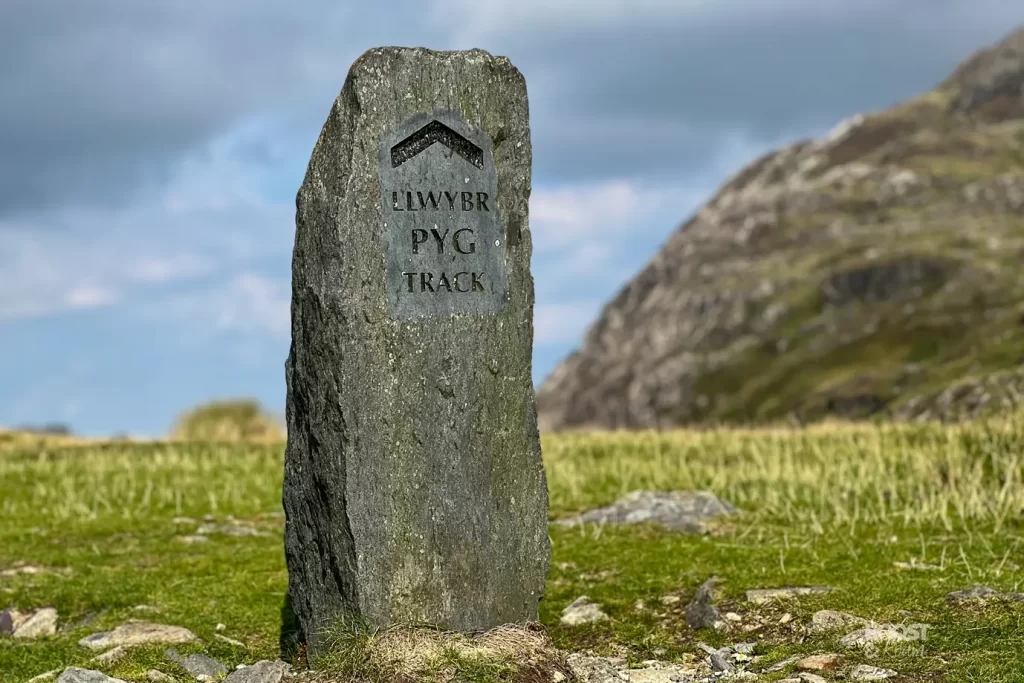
834, 504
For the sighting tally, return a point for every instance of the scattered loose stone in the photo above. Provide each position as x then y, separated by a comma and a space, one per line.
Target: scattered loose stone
733, 617
670, 599
110, 656
137, 633
42, 622
156, 676
193, 539
764, 595
867, 636
73, 674
827, 662
780, 665
701, 612
863, 672
806, 677
198, 664
229, 641
744, 648
145, 608
786, 618
675, 510
263, 671
639, 606
183, 520
790, 680
832, 620
582, 611
10, 619
220, 627
25, 568
982, 593
720, 663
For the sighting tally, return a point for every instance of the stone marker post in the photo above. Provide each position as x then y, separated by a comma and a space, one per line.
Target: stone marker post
414, 489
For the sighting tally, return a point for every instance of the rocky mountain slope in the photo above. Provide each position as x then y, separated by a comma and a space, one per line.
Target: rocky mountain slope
877, 271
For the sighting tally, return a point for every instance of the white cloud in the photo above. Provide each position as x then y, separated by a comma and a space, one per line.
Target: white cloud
557, 323
209, 219
247, 303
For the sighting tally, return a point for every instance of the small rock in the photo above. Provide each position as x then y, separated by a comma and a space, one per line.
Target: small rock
220, 627
790, 680
639, 606
156, 676
73, 674
183, 520
263, 671
982, 593
829, 662
10, 619
786, 618
193, 539
670, 599
744, 648
587, 669
863, 672
197, 665
145, 608
45, 676
138, 633
733, 617
810, 678
782, 664
832, 620
42, 622
557, 677
720, 663
701, 612
675, 510
110, 656
867, 636
763, 595
582, 611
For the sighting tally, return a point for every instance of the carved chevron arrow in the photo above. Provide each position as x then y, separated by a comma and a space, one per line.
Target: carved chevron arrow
435, 131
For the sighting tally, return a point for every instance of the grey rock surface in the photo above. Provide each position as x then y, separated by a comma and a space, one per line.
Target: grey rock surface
676, 510
414, 489
137, 633
263, 671
42, 622
865, 672
73, 674
982, 593
761, 596
865, 637
582, 611
197, 664
701, 612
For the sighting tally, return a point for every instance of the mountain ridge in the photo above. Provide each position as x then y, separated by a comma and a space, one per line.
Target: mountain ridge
871, 272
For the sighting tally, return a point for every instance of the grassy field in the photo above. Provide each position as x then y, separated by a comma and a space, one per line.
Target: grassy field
833, 505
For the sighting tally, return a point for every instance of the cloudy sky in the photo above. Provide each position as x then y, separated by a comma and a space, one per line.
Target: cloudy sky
150, 152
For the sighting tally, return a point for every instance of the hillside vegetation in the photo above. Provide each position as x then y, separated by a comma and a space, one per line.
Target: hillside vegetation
873, 272
891, 517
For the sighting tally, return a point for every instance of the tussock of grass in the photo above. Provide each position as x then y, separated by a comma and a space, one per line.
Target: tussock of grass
406, 654
228, 420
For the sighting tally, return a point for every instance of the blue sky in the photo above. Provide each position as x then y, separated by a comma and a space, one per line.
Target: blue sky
150, 153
